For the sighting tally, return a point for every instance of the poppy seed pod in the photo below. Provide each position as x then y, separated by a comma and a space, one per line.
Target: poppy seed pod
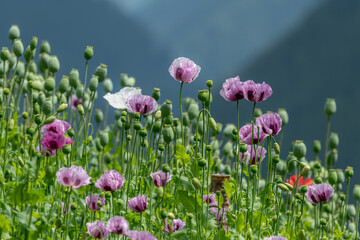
93, 83
169, 119
276, 148
166, 108
334, 140
101, 72
64, 84
193, 110
202, 95
332, 157
156, 94
33, 43
74, 77
318, 180
99, 116
143, 132
49, 84
258, 112
45, 47
160, 192
43, 62
108, 85
168, 134
5, 54
29, 55
228, 130
333, 177
104, 138
156, 126
356, 192
317, 146
47, 106
14, 32
341, 175
18, 48
62, 107
284, 116
88, 53
350, 211
49, 120
202, 163
349, 172
330, 106
80, 109
79, 91
299, 149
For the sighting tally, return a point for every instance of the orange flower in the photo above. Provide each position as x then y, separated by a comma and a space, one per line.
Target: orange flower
308, 181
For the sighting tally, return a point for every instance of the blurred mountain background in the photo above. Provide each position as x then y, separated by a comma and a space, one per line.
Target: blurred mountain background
306, 50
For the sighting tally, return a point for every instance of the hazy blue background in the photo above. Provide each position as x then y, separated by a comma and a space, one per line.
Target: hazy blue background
306, 50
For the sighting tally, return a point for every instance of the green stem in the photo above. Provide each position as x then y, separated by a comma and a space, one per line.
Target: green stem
327, 142
181, 117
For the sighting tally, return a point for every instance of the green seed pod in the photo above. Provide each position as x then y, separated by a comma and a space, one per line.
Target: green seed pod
166, 108
334, 140
291, 163
161, 147
79, 91
169, 119
163, 213
333, 177
305, 170
299, 149
80, 109
330, 106
318, 180
18, 48
49, 84
156, 94
283, 187
275, 160
193, 110
25, 115
67, 149
126, 81
156, 126
350, 211
332, 157
45, 47
5, 54
89, 140
14, 32
176, 122
304, 189
352, 227
30, 131
341, 175
284, 116
108, 85
208, 148
228, 147
64, 84
165, 168
281, 168
12, 60
253, 169
168, 133
160, 192
43, 62
47, 106
196, 183
218, 129
11, 124
99, 116
227, 169
6, 91
317, 146
74, 78
356, 192
49, 120
38, 119
209, 83
258, 112
349, 172
29, 55
202, 163
33, 43
228, 130
101, 72
93, 83
98, 146
143, 132
276, 148
137, 126
202, 95
88, 53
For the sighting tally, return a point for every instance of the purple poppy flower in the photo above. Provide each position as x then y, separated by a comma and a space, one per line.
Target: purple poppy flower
256, 92
138, 204
97, 230
136, 235
118, 100
160, 178
184, 70
210, 199
177, 225
92, 202
258, 153
118, 225
73, 176
270, 123
74, 101
51, 142
142, 104
319, 193
246, 134
232, 89
275, 238
214, 211
110, 181
57, 126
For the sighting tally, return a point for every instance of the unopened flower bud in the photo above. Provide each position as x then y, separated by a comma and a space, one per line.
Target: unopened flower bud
99, 116
277, 148
161, 147
275, 160
299, 149
196, 183
284, 116
305, 170
18, 48
318, 180
202, 163
62, 108
258, 112
38, 119
49, 120
25, 115
165, 168
53, 64
47, 106
104, 138
10, 124
209, 83
67, 149
4, 54
14, 32
283, 187
88, 53
202, 95
49, 84
33, 43
333, 177
166, 108
156, 94
323, 221
168, 133
45, 47
80, 109
253, 169
289, 186
108, 85
101, 72
71, 132
356, 192
330, 106
93, 83
349, 172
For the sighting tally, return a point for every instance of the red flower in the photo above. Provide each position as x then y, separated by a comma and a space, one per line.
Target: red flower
293, 178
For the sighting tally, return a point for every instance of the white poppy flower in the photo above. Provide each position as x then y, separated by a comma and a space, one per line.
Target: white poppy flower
118, 100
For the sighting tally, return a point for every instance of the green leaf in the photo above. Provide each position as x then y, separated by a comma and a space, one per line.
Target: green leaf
239, 222
184, 181
228, 189
179, 235
188, 201
181, 154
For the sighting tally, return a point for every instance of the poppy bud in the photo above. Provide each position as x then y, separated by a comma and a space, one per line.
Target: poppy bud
74, 78
93, 83
64, 84
165, 168
334, 140
45, 47
18, 47
202, 95
304, 189
317, 146
88, 53
168, 134
47, 106
281, 168
349, 172
305, 170
289, 186
332, 157
25, 115
284, 116
101, 72
258, 112
253, 169
108, 85
330, 106
318, 180
156, 94
5, 54
208, 148
80, 109
10, 124
30, 131
99, 116
176, 122
137, 126
67, 149
49, 84
38, 119
43, 61
166, 108
283, 187
160, 192
71, 132
333, 177
196, 183
163, 213
299, 149
89, 140
49, 120
14, 32
228, 130
202, 163
209, 83
275, 160
104, 138
156, 126
356, 192
227, 169
33, 43
323, 221
341, 176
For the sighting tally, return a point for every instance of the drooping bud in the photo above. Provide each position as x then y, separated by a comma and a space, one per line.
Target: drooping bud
49, 120
299, 149
330, 106
276, 148
160, 192
317, 146
305, 170
213, 125
88, 53
80, 109
289, 186
283, 187
196, 183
